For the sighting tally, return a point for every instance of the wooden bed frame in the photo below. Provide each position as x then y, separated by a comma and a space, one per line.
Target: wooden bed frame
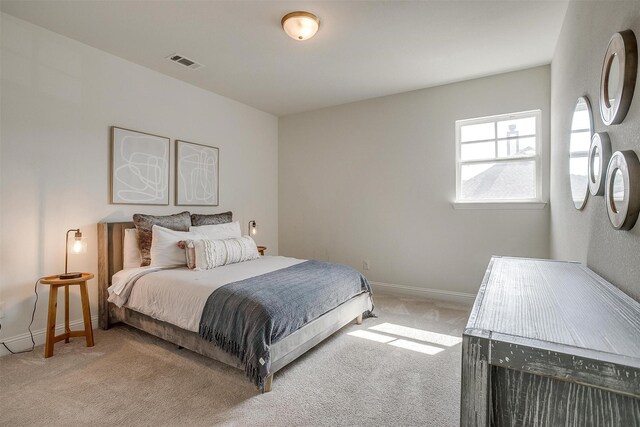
285, 351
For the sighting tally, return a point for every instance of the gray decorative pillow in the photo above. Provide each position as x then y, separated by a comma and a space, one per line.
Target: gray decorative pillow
144, 224
221, 218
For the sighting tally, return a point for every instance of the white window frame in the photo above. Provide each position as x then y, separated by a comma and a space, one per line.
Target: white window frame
532, 203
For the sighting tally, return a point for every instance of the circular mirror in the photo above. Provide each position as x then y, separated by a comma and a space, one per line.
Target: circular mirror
618, 77
599, 155
622, 189
579, 143
613, 79
618, 192
595, 164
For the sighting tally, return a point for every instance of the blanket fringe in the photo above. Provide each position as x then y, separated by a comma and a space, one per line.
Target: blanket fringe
251, 370
221, 341
369, 313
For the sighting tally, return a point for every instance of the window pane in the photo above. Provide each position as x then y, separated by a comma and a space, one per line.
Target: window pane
477, 151
477, 132
581, 119
515, 127
580, 142
499, 181
579, 167
517, 147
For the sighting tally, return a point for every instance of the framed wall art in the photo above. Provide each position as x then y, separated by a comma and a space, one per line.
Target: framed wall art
197, 172
139, 168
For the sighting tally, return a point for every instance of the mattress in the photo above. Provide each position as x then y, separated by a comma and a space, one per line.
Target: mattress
178, 295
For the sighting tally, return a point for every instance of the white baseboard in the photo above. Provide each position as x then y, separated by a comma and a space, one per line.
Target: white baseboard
417, 292
23, 341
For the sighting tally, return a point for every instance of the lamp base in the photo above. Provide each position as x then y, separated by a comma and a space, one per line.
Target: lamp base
70, 276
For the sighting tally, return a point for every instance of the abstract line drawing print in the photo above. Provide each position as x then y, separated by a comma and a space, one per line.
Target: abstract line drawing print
197, 174
140, 171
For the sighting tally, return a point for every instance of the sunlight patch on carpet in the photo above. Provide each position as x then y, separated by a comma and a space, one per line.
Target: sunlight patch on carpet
418, 334
371, 336
414, 346
413, 334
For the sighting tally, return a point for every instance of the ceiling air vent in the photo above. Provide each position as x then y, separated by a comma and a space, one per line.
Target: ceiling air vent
182, 60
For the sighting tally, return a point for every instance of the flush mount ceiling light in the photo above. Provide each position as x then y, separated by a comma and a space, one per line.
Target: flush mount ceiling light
300, 25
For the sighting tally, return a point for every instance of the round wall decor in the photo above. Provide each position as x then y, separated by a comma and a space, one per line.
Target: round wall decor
579, 141
599, 155
622, 189
618, 79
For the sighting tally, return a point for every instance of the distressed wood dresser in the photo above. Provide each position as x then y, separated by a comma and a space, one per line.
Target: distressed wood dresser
550, 343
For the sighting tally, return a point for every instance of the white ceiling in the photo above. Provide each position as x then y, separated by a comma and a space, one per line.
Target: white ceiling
363, 49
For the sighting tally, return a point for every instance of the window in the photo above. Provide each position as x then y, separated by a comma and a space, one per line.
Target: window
498, 158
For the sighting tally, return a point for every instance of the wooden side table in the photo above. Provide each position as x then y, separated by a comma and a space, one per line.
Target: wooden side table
55, 282
261, 249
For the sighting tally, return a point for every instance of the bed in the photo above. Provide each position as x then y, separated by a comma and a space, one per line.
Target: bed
181, 331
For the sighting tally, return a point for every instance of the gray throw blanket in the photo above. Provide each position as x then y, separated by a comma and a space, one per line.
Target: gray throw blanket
244, 318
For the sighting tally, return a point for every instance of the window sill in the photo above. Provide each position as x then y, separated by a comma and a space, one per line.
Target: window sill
499, 205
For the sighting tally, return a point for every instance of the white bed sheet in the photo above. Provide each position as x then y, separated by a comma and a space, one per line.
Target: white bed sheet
178, 296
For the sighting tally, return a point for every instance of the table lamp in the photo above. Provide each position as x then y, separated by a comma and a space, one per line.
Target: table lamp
77, 246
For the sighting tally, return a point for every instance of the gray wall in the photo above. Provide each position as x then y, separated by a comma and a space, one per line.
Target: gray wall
375, 180
587, 235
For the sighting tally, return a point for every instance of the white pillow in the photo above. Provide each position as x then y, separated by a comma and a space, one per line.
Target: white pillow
164, 246
131, 257
215, 253
229, 230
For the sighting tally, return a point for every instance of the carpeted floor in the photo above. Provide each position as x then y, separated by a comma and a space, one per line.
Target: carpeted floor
359, 376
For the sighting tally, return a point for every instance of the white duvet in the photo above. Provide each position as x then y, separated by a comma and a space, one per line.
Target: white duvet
178, 295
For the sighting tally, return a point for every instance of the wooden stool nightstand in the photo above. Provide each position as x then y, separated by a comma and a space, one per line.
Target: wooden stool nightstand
261, 250
55, 282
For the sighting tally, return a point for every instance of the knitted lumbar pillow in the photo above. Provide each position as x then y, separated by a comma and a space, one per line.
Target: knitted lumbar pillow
207, 254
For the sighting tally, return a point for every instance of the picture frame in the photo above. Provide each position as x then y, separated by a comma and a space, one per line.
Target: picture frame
139, 168
197, 174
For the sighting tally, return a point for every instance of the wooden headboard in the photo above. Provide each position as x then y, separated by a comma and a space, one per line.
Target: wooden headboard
110, 244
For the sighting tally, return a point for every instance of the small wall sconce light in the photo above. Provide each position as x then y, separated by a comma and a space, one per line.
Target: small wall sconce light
253, 228
77, 246
300, 25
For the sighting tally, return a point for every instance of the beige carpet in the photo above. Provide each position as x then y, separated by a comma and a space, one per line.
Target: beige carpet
131, 378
